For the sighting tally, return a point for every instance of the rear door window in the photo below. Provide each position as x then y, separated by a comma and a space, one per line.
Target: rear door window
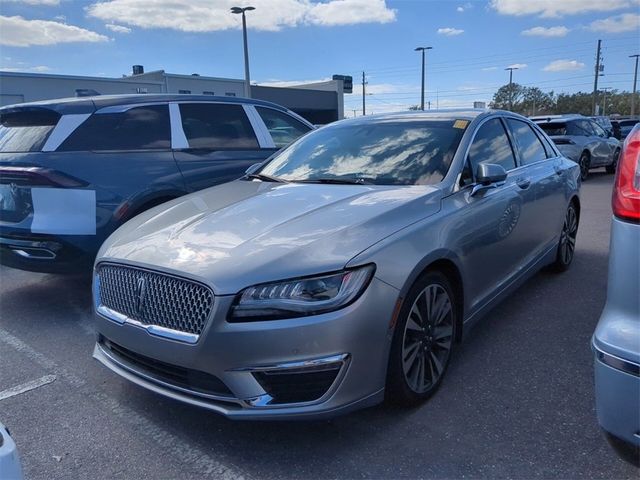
217, 126
283, 128
138, 128
26, 130
529, 145
490, 145
554, 129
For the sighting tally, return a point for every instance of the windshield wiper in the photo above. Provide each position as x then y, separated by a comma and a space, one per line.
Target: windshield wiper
337, 181
265, 178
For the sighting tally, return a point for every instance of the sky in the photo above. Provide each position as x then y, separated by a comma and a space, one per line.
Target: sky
552, 43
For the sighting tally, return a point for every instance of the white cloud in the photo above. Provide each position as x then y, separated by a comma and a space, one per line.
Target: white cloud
118, 28
546, 32
450, 32
49, 3
460, 9
270, 15
489, 69
518, 65
626, 22
18, 32
557, 8
563, 66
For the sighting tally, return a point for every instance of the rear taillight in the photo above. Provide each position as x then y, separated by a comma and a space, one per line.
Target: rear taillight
38, 177
626, 189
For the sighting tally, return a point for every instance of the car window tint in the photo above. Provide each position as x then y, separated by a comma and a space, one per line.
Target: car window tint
598, 130
528, 143
491, 145
283, 128
138, 128
26, 130
217, 126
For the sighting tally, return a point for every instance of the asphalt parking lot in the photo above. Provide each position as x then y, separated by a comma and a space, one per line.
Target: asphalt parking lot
517, 401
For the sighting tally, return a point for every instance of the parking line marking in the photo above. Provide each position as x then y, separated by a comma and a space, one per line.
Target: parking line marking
26, 387
172, 444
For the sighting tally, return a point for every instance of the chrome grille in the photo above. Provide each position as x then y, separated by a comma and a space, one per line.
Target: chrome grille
154, 298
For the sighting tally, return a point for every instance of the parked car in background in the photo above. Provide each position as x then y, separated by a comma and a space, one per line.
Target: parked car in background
624, 125
339, 272
582, 140
605, 123
616, 341
73, 170
10, 468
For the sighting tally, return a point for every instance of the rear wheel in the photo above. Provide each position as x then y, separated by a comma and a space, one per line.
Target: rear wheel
584, 163
614, 164
567, 243
423, 340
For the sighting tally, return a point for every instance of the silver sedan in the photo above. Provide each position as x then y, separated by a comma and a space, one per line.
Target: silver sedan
343, 270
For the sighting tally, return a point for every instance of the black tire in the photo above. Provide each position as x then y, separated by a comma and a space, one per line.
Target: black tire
614, 164
422, 346
567, 242
628, 452
584, 162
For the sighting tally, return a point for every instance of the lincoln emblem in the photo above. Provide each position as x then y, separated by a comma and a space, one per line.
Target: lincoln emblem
140, 292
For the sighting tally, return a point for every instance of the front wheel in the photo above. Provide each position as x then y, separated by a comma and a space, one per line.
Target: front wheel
614, 164
423, 340
567, 243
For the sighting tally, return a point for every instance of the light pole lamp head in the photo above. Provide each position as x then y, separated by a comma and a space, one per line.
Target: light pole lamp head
241, 9
417, 49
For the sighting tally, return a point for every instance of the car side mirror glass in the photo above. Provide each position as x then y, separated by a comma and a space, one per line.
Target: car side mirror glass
252, 168
489, 173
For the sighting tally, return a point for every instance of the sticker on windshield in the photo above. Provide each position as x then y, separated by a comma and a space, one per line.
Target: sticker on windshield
460, 124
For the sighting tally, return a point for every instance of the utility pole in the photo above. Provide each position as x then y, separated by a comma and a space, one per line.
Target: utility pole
364, 93
511, 69
595, 81
635, 81
422, 49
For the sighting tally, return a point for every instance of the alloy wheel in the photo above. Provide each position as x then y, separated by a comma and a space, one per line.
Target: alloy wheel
428, 338
568, 236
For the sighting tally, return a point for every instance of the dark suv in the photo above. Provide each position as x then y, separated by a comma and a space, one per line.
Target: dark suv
73, 170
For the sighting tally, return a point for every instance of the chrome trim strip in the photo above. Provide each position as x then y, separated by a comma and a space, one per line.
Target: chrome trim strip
100, 349
259, 128
316, 362
178, 138
264, 401
155, 330
618, 363
65, 127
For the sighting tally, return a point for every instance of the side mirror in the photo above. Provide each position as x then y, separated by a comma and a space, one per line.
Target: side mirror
252, 168
488, 175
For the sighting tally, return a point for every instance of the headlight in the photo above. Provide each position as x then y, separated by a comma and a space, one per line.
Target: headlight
301, 296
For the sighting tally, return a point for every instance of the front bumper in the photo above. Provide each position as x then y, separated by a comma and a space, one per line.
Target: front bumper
353, 341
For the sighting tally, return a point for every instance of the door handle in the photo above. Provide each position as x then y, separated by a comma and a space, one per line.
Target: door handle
558, 169
523, 182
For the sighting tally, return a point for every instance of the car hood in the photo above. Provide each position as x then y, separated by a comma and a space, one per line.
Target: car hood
248, 232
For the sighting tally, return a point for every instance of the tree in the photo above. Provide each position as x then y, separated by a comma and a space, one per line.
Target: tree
509, 94
537, 102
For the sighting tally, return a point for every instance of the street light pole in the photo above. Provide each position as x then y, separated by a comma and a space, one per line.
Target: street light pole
422, 49
635, 81
511, 69
247, 85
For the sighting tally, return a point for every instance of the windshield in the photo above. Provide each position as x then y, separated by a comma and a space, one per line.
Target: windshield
399, 151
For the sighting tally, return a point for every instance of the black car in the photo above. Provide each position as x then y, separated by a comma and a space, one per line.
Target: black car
74, 170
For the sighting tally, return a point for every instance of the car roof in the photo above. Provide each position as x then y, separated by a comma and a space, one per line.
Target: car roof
445, 114
557, 118
76, 105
